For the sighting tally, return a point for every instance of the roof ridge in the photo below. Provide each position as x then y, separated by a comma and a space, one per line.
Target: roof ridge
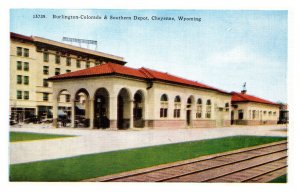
146, 72
109, 65
253, 98
240, 95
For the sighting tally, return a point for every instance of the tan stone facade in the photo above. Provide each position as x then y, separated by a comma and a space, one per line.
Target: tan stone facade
251, 113
190, 113
32, 61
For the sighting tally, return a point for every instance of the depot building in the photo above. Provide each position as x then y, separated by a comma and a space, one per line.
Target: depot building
115, 96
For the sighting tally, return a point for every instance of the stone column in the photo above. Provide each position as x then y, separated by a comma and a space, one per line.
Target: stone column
91, 113
131, 105
55, 113
73, 113
113, 112
87, 108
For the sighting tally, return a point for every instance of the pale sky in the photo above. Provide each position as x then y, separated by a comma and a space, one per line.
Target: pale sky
224, 50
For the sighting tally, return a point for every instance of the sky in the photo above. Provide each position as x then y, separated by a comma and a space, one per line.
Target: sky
224, 50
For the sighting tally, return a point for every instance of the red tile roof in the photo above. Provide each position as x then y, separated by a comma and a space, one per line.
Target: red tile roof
240, 97
144, 73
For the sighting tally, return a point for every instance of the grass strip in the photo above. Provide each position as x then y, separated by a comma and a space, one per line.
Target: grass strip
26, 136
281, 179
95, 165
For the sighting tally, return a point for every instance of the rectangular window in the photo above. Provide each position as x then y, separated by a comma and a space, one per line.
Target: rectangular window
240, 114
161, 112
165, 112
176, 113
26, 52
19, 79
46, 57
26, 66
19, 94
199, 111
45, 83
19, 65
19, 51
57, 59
78, 65
68, 71
87, 65
45, 96
26, 80
57, 71
46, 70
208, 111
68, 61
26, 95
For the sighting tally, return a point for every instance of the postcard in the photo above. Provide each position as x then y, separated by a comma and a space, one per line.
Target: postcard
156, 95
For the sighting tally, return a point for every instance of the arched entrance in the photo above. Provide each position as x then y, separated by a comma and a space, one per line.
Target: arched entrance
189, 107
123, 121
81, 109
138, 109
101, 108
64, 110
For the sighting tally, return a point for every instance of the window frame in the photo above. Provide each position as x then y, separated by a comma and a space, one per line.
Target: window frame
26, 80
78, 63
68, 61
164, 105
19, 95
19, 65
208, 109
19, 79
240, 114
57, 71
199, 108
177, 107
57, 59
26, 66
87, 64
45, 56
25, 52
46, 70
26, 95
45, 96
19, 51
45, 83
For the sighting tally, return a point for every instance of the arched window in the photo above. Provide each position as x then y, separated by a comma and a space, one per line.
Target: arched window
208, 108
199, 108
164, 106
177, 106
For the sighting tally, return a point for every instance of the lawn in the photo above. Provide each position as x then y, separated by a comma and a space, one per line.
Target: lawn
95, 165
25, 136
281, 179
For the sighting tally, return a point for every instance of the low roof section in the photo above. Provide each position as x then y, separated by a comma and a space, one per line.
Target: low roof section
243, 97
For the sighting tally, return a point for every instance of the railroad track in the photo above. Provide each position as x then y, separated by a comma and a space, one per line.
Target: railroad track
255, 164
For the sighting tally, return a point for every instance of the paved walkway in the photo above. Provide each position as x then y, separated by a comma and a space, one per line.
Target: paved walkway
96, 141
